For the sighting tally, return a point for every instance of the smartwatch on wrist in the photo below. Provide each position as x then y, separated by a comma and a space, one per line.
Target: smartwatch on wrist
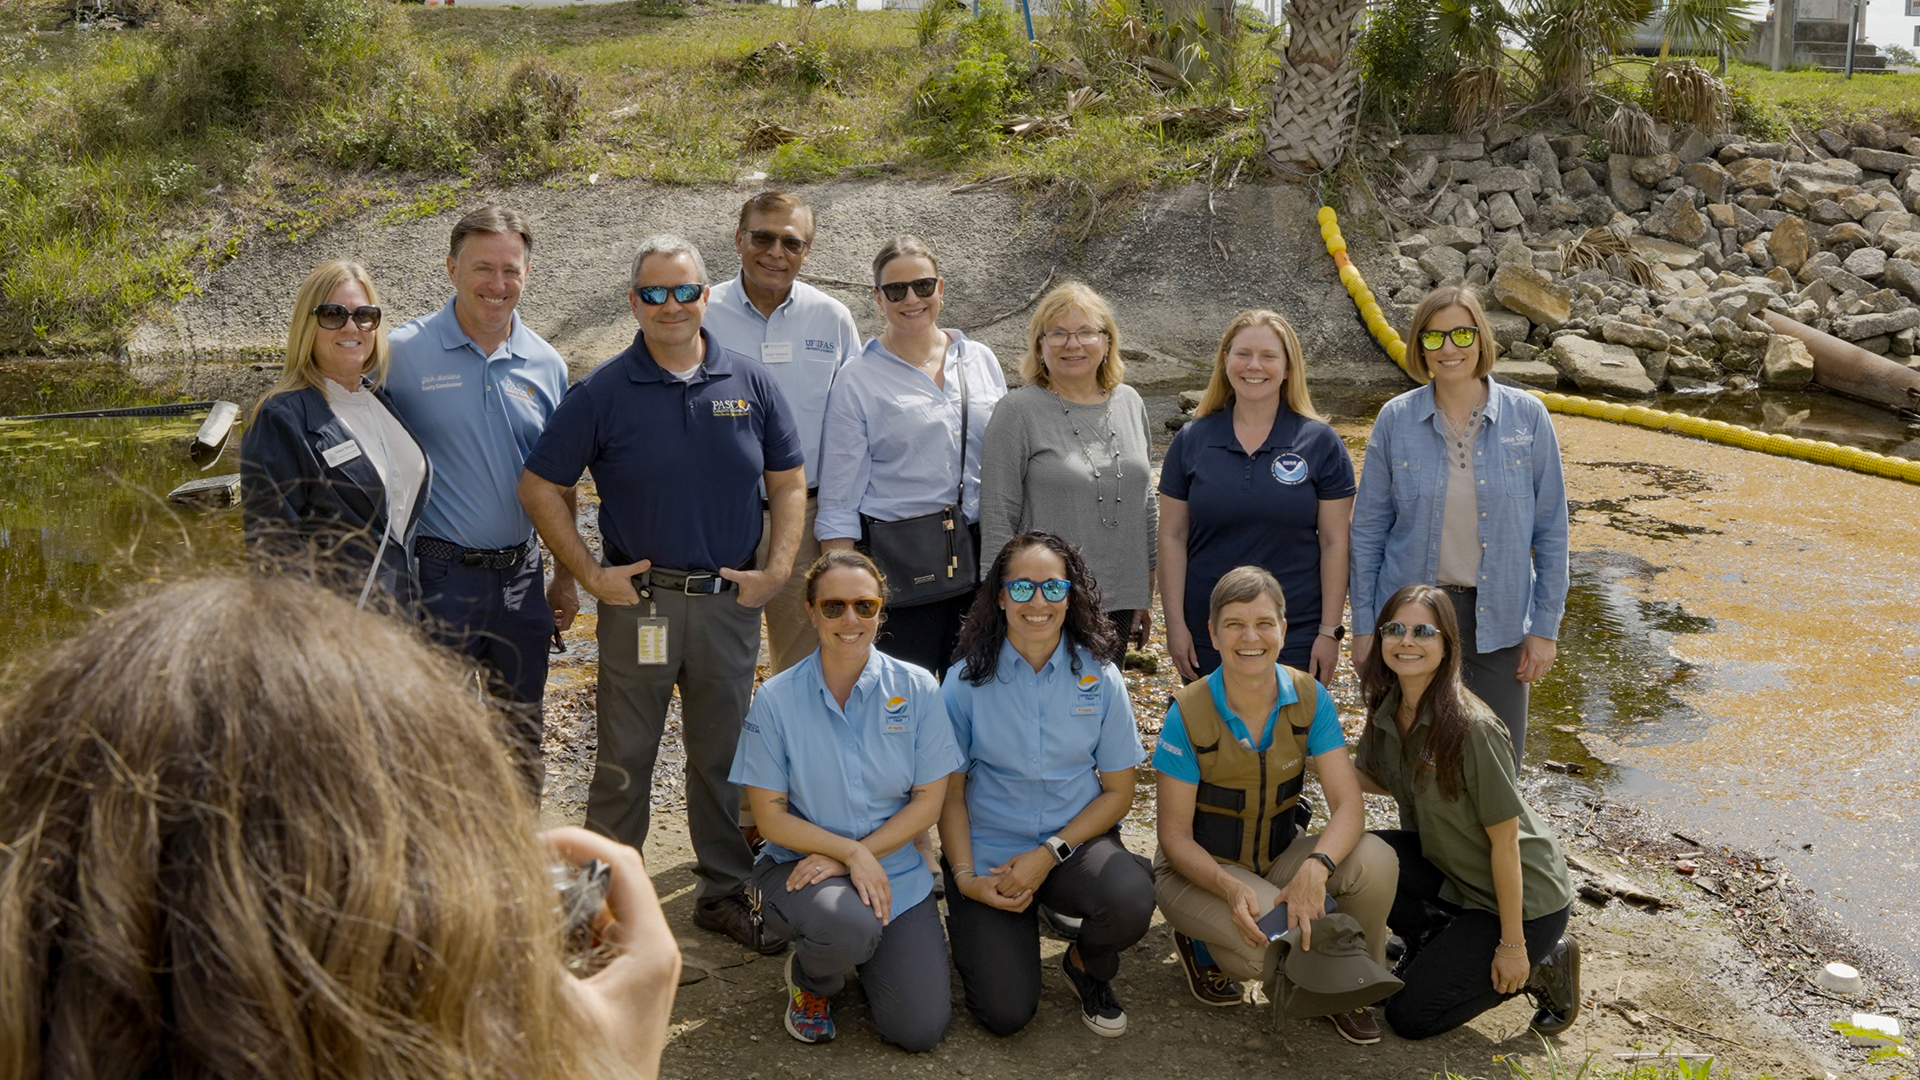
1062, 851
1336, 632
1325, 860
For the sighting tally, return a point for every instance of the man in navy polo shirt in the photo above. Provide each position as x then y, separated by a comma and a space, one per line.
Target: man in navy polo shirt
679, 434
803, 336
477, 387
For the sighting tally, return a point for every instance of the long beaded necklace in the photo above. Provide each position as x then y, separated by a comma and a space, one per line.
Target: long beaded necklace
1096, 455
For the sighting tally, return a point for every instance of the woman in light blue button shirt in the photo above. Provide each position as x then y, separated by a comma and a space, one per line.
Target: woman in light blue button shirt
892, 446
1050, 745
1463, 489
844, 758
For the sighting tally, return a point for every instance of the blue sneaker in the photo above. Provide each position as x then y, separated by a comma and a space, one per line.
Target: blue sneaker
809, 1016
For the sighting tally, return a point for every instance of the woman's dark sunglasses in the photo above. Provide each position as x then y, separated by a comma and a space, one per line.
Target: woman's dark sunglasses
655, 295
866, 607
335, 316
762, 240
1393, 631
1463, 336
1020, 590
896, 291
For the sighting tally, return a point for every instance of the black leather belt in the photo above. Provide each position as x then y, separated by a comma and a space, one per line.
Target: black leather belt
690, 582
1458, 588
429, 547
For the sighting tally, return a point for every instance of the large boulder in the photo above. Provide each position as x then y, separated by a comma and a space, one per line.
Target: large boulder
1885, 161
1622, 187
1579, 183
1508, 327
1502, 212
1649, 171
1865, 263
1461, 238
1713, 181
1735, 151
1529, 292
1830, 171
1666, 253
1790, 245
1596, 367
1542, 161
1904, 276
1787, 364
1861, 327
1634, 336
1532, 374
1445, 265
1677, 220
1755, 174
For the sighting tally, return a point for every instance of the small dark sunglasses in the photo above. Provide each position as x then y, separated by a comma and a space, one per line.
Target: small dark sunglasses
1020, 590
763, 240
335, 316
1463, 336
1421, 631
896, 291
655, 295
866, 607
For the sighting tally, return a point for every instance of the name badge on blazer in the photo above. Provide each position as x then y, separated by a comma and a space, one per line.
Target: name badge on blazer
334, 456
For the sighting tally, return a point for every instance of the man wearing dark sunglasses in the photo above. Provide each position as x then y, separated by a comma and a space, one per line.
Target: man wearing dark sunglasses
803, 336
477, 387
679, 433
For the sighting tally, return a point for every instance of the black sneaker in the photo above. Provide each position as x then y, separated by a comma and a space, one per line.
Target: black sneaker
734, 916
1554, 986
1098, 1006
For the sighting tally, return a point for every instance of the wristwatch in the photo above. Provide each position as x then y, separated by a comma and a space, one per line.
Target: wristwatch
1326, 860
1336, 632
1062, 851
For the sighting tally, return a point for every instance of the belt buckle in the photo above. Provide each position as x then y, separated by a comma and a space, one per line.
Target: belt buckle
703, 579
472, 557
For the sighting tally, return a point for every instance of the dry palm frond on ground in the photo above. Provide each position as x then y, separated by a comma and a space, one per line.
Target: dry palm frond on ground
1606, 250
1631, 132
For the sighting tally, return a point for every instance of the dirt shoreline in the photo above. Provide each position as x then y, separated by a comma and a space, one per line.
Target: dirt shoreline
1721, 973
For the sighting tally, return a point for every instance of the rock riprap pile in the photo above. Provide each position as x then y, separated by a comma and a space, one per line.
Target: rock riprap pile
1629, 275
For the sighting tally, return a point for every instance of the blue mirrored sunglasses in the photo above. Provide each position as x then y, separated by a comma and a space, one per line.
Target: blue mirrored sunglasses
655, 295
1394, 631
1020, 590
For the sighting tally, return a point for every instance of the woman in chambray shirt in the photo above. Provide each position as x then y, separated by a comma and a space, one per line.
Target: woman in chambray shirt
891, 447
844, 758
1050, 745
1462, 488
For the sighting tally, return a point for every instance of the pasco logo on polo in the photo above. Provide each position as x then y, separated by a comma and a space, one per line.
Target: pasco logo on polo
729, 407
1290, 468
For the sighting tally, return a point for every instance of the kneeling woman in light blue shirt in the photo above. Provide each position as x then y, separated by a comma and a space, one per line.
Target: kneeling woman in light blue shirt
844, 758
1042, 718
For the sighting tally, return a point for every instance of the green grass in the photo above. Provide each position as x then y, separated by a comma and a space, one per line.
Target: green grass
132, 162
1812, 99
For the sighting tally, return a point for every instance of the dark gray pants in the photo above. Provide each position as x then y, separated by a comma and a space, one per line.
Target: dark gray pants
902, 965
712, 644
1494, 675
998, 952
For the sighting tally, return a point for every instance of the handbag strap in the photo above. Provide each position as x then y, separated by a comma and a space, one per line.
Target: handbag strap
960, 497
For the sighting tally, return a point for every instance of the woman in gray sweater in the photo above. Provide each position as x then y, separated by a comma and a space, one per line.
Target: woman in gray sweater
1067, 453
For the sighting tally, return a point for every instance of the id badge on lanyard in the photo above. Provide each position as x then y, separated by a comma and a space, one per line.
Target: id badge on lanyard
652, 635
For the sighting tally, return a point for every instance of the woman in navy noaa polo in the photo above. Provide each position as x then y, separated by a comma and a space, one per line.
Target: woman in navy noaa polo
1257, 479
1050, 745
844, 758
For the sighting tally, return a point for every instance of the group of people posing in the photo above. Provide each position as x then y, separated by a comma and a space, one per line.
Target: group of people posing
949, 573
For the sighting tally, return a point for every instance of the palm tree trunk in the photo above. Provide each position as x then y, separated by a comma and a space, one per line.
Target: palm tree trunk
1313, 96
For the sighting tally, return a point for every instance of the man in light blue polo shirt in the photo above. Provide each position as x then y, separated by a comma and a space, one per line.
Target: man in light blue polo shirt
802, 335
477, 387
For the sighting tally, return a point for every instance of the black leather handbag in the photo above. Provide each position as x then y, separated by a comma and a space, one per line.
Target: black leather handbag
928, 557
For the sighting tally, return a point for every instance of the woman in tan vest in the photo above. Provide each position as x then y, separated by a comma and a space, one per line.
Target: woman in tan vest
1232, 845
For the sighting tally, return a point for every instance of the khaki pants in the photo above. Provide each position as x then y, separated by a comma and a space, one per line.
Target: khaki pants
1363, 887
790, 636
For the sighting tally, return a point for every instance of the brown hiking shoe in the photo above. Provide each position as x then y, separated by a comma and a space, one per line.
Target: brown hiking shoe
734, 916
1209, 984
1357, 1027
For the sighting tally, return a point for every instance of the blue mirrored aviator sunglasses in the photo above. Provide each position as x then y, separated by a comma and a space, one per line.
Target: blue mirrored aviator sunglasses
655, 295
1394, 631
1020, 590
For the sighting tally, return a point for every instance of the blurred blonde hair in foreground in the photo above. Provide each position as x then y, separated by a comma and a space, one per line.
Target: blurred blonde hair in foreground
248, 832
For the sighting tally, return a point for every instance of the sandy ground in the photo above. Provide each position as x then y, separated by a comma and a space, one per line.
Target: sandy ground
1720, 971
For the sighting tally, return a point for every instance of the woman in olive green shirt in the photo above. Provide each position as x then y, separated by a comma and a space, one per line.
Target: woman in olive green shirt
1483, 896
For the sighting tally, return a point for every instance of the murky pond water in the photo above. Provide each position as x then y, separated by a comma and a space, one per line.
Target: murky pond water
1738, 652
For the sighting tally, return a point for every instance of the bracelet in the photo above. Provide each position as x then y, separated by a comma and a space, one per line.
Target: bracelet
1512, 945
968, 871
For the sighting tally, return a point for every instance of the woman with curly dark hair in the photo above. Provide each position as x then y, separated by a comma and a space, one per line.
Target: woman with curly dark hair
1042, 717
1483, 894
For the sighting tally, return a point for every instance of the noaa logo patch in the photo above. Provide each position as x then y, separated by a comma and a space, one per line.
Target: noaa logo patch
1089, 683
1290, 468
896, 705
